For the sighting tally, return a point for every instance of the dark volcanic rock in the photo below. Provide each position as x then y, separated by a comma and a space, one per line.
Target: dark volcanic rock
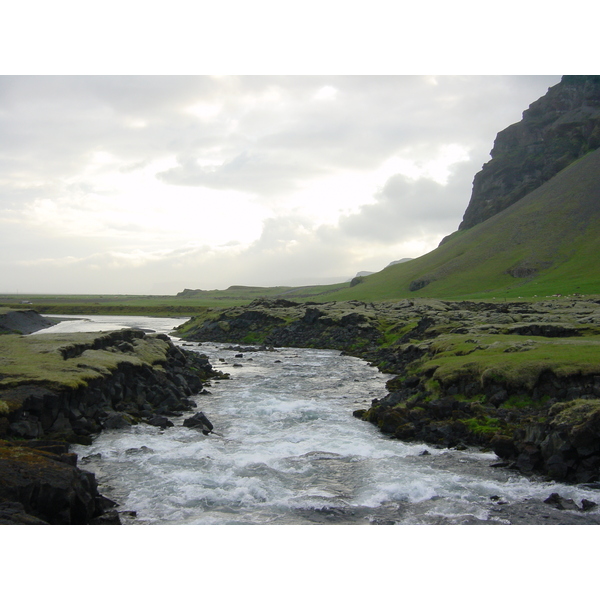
13, 513
199, 421
561, 503
159, 421
117, 421
23, 321
555, 131
47, 488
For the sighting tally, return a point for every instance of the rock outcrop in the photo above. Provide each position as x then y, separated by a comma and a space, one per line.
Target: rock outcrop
40, 487
128, 394
555, 131
282, 322
148, 380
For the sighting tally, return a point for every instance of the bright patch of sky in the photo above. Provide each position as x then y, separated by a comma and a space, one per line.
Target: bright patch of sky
149, 184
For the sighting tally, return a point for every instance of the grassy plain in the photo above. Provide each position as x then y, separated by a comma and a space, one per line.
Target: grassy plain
176, 306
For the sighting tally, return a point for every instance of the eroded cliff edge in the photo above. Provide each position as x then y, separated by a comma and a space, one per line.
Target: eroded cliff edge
60, 389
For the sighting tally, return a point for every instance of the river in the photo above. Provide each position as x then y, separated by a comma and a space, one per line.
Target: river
286, 450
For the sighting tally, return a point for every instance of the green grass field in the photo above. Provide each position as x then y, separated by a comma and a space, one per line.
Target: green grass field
510, 359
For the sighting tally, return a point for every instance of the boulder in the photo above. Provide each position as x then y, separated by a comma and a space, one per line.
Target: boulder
199, 421
117, 421
159, 421
48, 489
561, 503
503, 446
529, 459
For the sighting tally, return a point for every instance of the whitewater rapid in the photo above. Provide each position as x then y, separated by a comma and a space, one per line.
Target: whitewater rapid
287, 450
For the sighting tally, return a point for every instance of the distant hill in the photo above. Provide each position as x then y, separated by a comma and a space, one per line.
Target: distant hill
397, 262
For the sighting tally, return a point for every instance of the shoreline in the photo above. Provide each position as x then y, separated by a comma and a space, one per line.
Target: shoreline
519, 378
76, 386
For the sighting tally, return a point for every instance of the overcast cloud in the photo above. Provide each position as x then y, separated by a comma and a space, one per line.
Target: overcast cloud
149, 184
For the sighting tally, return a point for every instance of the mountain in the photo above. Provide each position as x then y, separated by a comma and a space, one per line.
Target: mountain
532, 226
546, 243
556, 130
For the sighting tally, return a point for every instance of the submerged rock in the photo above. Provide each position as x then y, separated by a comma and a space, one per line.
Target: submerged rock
561, 503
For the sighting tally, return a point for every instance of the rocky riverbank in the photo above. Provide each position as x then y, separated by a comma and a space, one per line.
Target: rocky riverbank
521, 378
61, 389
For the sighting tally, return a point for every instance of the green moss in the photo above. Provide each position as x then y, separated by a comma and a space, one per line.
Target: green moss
484, 426
392, 331
38, 360
395, 384
432, 386
575, 412
492, 360
254, 338
521, 401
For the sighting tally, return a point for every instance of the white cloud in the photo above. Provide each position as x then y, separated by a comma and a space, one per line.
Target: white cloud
327, 92
229, 180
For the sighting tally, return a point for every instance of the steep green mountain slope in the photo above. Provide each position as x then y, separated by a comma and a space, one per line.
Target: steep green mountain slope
547, 243
560, 127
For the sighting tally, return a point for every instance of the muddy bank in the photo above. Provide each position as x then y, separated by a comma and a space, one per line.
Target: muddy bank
23, 321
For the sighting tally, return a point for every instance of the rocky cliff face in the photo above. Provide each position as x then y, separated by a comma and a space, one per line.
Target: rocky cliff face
556, 130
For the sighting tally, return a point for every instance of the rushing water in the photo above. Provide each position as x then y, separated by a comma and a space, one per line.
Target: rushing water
286, 450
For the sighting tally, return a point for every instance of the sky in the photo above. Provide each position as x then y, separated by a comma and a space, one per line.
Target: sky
151, 184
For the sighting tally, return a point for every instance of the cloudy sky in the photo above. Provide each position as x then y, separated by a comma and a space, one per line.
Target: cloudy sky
153, 184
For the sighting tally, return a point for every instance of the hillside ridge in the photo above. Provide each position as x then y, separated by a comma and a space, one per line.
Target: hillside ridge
546, 243
557, 129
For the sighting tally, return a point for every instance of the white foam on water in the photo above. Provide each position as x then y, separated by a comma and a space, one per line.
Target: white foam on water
289, 445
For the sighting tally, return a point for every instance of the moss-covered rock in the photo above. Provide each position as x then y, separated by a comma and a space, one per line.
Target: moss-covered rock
69, 388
